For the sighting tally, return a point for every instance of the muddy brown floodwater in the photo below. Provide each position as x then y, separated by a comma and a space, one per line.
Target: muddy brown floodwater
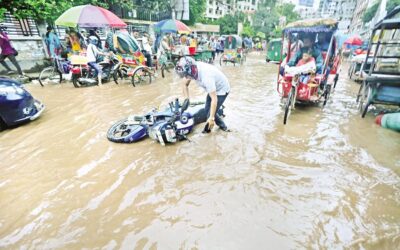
326, 180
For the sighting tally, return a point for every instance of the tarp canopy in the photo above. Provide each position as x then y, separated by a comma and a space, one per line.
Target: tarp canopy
124, 43
312, 25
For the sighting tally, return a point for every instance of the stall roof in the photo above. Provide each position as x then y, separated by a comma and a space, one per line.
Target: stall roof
199, 27
390, 21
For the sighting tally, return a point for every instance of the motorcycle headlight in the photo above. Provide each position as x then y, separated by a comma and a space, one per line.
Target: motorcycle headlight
12, 90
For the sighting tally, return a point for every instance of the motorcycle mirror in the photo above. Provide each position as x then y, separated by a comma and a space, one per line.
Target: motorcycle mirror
185, 104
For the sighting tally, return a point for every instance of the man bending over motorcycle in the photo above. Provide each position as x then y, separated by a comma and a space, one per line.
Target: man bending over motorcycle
212, 80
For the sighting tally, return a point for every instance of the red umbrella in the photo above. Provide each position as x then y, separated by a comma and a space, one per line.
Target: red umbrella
89, 16
354, 40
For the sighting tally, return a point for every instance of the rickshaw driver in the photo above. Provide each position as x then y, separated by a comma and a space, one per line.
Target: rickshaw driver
308, 45
323, 42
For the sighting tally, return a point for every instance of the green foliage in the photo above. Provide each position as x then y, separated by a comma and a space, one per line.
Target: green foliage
370, 13
2, 11
287, 10
49, 10
248, 31
197, 9
229, 23
266, 19
391, 4
277, 32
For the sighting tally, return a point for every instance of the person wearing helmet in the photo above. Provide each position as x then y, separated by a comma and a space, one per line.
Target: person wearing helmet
212, 80
92, 54
93, 32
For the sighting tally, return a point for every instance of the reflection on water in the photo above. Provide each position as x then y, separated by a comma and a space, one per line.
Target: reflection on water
328, 179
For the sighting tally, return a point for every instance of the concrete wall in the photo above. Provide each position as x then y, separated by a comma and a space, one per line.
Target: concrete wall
31, 53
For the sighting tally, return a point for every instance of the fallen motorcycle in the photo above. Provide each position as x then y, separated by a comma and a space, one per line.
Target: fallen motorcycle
168, 126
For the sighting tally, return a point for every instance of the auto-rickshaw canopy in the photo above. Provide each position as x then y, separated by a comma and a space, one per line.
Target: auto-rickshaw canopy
233, 42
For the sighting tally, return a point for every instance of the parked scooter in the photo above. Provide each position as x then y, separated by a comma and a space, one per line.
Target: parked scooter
168, 126
84, 75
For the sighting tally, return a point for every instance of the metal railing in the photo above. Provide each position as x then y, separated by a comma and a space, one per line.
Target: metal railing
142, 14
19, 27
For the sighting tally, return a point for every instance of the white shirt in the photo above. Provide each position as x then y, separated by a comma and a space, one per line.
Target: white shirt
91, 53
146, 45
212, 79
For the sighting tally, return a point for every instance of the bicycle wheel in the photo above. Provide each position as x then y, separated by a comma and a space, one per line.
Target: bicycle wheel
288, 104
163, 69
327, 94
141, 75
335, 80
365, 100
360, 90
118, 75
221, 59
50, 75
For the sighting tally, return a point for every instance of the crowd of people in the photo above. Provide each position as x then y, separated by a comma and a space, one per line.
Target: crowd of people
152, 47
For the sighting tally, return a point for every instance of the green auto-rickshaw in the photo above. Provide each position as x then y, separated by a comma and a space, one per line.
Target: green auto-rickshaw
274, 49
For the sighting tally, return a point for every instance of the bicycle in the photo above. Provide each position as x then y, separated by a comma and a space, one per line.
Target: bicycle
54, 73
166, 62
135, 69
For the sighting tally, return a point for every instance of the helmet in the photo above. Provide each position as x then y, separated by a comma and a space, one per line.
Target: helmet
186, 67
93, 40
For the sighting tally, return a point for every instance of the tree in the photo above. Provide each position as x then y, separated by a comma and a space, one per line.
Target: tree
287, 10
370, 13
197, 9
265, 20
229, 23
391, 4
49, 10
248, 31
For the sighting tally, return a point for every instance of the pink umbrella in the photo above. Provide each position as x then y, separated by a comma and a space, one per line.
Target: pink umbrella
354, 40
89, 16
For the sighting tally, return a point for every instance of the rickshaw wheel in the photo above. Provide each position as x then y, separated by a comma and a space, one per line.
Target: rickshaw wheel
288, 105
221, 59
350, 73
117, 75
335, 80
365, 98
360, 90
327, 93
163, 70
141, 74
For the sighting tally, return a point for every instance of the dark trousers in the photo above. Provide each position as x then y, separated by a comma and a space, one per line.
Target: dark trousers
220, 100
148, 58
13, 60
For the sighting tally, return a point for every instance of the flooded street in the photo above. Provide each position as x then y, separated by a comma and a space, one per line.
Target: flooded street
326, 180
